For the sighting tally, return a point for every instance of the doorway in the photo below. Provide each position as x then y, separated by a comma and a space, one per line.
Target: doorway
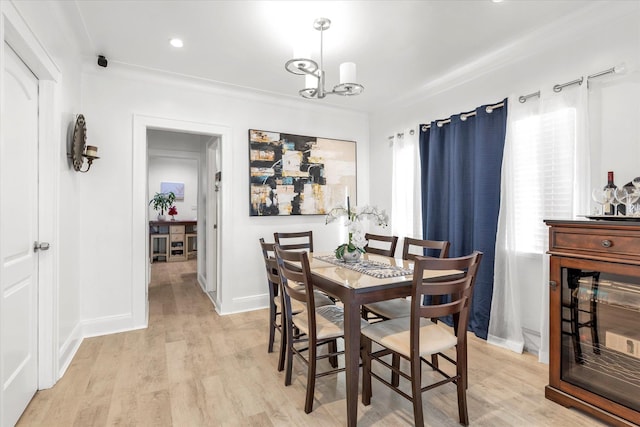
179, 162
210, 262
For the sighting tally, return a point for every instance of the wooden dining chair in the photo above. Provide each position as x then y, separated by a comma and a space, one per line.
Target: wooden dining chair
295, 240
401, 307
390, 241
317, 325
274, 286
417, 337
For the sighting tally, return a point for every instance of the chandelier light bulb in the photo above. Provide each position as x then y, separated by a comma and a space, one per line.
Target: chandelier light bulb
310, 81
347, 72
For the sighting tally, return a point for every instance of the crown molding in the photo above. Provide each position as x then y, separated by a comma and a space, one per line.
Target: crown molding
570, 27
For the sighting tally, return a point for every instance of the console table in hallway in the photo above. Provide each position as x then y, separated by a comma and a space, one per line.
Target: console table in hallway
172, 240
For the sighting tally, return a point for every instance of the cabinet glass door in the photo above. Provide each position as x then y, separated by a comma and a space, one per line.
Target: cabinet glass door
601, 332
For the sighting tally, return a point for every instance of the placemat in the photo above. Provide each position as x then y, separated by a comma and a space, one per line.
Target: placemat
377, 269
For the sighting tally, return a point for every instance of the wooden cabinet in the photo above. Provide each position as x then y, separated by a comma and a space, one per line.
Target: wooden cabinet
159, 247
594, 318
177, 246
172, 240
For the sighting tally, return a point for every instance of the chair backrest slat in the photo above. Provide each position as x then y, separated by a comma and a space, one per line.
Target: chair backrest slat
295, 240
391, 240
437, 245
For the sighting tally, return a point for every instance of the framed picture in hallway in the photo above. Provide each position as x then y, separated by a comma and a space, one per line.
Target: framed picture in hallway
176, 188
299, 175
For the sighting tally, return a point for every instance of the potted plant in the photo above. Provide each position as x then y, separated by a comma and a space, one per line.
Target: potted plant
162, 201
350, 252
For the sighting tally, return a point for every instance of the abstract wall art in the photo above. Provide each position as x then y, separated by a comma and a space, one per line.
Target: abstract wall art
299, 175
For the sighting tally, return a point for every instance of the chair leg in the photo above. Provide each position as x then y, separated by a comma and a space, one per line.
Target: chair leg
395, 362
272, 326
575, 329
416, 383
365, 344
593, 316
311, 377
434, 361
462, 387
283, 347
333, 348
289, 346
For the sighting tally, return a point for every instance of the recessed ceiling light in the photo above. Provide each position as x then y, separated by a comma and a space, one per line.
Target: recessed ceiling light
176, 42
497, 1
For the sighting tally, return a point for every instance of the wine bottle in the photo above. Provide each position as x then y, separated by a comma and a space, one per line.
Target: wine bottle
608, 209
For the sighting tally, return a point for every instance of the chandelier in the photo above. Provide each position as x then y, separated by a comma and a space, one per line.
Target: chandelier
315, 75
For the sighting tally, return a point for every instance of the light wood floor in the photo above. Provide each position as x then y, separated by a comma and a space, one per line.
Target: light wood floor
191, 367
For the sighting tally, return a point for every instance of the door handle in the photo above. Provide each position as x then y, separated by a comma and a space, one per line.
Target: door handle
42, 246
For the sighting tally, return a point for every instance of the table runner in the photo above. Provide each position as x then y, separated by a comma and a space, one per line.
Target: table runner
377, 269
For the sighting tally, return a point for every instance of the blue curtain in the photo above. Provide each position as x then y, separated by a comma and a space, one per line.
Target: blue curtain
461, 165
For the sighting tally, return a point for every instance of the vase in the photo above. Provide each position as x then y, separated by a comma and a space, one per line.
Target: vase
161, 217
351, 256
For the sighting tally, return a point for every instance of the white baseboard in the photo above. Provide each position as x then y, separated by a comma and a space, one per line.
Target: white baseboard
68, 350
109, 325
249, 303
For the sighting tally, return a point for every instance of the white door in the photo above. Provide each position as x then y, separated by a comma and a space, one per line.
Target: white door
211, 223
19, 230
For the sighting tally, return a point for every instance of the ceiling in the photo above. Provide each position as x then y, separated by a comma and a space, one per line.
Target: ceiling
399, 46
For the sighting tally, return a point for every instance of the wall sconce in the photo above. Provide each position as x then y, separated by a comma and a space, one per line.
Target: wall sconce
79, 150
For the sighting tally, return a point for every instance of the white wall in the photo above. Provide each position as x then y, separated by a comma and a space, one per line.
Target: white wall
111, 97
598, 39
174, 157
171, 169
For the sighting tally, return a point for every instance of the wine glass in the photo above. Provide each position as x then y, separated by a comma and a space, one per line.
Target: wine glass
633, 198
601, 197
620, 195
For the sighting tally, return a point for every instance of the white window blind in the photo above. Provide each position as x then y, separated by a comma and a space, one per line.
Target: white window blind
543, 148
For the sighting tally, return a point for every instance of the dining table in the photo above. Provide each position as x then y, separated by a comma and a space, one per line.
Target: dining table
373, 278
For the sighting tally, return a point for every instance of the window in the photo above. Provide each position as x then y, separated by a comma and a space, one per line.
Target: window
405, 204
543, 157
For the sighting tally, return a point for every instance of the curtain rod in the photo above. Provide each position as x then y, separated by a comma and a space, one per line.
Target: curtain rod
401, 134
618, 69
465, 116
523, 98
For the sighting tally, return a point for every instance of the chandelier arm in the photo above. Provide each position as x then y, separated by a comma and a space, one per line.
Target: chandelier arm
301, 66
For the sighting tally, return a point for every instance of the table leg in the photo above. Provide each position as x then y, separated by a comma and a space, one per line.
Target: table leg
352, 358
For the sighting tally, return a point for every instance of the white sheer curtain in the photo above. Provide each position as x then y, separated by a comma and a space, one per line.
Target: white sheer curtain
406, 211
545, 174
